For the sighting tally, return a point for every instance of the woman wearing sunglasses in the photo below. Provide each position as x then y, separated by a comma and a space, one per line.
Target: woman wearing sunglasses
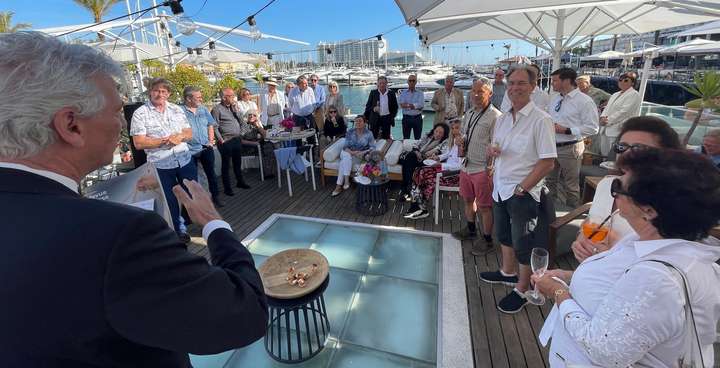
622, 105
335, 126
653, 299
637, 133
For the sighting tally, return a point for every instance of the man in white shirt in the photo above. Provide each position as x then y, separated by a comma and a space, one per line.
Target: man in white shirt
524, 151
380, 109
162, 130
412, 101
302, 104
574, 117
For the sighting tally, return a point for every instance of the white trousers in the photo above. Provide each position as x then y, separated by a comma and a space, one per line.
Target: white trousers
345, 166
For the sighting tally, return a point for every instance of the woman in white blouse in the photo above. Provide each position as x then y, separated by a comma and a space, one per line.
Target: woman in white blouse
625, 306
245, 104
637, 133
272, 104
622, 105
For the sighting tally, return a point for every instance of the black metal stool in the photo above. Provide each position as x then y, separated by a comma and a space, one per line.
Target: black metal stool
371, 199
310, 309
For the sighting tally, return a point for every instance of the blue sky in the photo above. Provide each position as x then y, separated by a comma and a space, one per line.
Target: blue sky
306, 20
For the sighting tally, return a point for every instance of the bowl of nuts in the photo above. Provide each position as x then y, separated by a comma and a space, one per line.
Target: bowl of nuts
293, 273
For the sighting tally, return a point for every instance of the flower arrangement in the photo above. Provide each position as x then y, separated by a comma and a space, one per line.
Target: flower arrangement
375, 167
288, 124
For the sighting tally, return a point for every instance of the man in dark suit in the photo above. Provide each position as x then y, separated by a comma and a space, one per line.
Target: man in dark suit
380, 109
89, 283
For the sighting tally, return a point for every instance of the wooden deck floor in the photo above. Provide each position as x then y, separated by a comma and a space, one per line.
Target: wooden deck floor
499, 340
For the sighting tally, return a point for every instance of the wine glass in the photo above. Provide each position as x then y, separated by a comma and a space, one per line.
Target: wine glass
539, 260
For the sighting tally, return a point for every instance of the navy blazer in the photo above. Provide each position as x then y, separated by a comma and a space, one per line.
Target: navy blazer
371, 116
89, 283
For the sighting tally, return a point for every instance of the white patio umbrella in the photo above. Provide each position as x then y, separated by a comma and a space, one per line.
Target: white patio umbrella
705, 48
605, 55
552, 25
705, 29
677, 48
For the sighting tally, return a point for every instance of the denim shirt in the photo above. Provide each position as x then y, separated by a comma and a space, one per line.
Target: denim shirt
199, 122
356, 142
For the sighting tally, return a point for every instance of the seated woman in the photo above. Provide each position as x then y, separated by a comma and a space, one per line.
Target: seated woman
637, 133
450, 158
334, 124
251, 133
411, 160
358, 142
653, 298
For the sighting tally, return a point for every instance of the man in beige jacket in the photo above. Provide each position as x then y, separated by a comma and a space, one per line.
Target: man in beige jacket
447, 102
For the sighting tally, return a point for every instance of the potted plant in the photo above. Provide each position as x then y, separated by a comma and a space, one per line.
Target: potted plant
707, 87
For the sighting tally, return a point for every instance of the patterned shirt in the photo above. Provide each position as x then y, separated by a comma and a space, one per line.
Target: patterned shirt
356, 142
150, 122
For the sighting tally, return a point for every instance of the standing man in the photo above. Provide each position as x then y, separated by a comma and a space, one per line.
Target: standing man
162, 130
475, 184
202, 144
118, 288
574, 117
447, 102
320, 96
380, 109
498, 88
230, 145
412, 101
302, 104
524, 152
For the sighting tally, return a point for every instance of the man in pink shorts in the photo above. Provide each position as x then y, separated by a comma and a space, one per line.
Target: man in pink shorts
475, 183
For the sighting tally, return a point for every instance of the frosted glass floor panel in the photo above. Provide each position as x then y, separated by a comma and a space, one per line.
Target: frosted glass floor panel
409, 256
349, 356
338, 297
255, 356
210, 361
396, 316
347, 247
286, 234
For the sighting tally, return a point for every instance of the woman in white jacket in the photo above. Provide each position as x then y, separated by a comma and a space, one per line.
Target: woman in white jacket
272, 104
622, 105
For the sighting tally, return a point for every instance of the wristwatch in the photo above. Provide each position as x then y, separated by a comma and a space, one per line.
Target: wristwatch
568, 131
519, 190
560, 292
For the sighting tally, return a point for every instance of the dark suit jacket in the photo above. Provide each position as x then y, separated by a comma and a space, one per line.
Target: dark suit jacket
88, 283
371, 116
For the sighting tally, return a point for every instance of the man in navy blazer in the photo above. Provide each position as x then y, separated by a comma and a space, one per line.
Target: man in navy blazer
89, 283
380, 109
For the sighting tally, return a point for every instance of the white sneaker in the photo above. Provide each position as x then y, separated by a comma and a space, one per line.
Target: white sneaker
335, 193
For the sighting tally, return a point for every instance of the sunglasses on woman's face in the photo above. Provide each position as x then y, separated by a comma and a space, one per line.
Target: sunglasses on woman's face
616, 189
333, 112
621, 147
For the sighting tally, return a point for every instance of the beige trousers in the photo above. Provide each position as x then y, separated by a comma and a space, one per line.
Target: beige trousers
564, 181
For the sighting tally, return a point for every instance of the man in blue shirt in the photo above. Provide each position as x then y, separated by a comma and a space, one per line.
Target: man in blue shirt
203, 140
320, 95
412, 101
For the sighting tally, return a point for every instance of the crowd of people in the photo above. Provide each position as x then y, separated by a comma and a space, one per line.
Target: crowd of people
647, 294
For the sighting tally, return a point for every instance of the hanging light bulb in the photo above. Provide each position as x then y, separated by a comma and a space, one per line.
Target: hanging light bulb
191, 56
184, 24
212, 54
199, 59
254, 32
381, 43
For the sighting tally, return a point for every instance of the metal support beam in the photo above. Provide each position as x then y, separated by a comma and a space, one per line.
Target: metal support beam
580, 26
611, 24
559, 33
619, 20
517, 35
542, 33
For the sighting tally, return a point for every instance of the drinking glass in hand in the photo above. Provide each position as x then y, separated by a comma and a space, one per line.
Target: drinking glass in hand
539, 260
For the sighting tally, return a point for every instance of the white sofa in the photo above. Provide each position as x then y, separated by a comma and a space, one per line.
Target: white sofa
330, 157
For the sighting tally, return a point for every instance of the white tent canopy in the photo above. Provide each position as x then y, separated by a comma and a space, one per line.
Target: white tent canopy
552, 25
705, 29
605, 55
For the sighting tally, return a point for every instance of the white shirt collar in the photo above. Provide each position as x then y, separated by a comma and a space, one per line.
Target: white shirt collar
572, 93
64, 180
525, 110
645, 247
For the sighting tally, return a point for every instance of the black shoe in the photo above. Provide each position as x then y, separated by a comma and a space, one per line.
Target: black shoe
229, 193
184, 237
242, 185
418, 215
414, 208
496, 277
464, 234
217, 202
512, 303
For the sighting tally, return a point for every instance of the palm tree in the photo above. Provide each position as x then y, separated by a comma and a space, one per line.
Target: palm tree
6, 21
98, 8
706, 88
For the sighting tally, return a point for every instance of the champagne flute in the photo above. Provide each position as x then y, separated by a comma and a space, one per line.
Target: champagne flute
539, 260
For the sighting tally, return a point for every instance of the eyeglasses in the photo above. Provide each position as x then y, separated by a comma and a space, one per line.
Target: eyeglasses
616, 189
333, 86
333, 112
621, 147
412, 80
626, 80
252, 115
313, 80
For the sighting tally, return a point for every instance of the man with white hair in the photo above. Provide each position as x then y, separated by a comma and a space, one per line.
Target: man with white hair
447, 102
475, 182
162, 130
320, 97
91, 283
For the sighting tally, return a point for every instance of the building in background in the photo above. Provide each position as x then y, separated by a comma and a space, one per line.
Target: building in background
666, 36
403, 58
351, 52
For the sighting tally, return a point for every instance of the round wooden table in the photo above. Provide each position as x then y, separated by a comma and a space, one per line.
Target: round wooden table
298, 323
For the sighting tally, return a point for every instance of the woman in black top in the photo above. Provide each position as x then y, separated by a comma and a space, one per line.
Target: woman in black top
334, 124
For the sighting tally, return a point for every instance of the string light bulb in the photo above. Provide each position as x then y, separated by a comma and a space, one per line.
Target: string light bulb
199, 59
184, 24
254, 32
212, 53
191, 56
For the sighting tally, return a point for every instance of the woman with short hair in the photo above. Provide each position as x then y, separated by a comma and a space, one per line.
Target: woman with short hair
622, 105
358, 142
653, 298
335, 99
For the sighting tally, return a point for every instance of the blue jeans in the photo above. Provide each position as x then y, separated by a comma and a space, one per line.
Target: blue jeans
207, 160
170, 178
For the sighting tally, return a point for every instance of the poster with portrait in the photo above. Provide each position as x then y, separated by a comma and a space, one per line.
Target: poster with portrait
140, 188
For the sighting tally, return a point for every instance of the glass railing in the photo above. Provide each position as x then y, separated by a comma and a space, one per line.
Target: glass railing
681, 118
